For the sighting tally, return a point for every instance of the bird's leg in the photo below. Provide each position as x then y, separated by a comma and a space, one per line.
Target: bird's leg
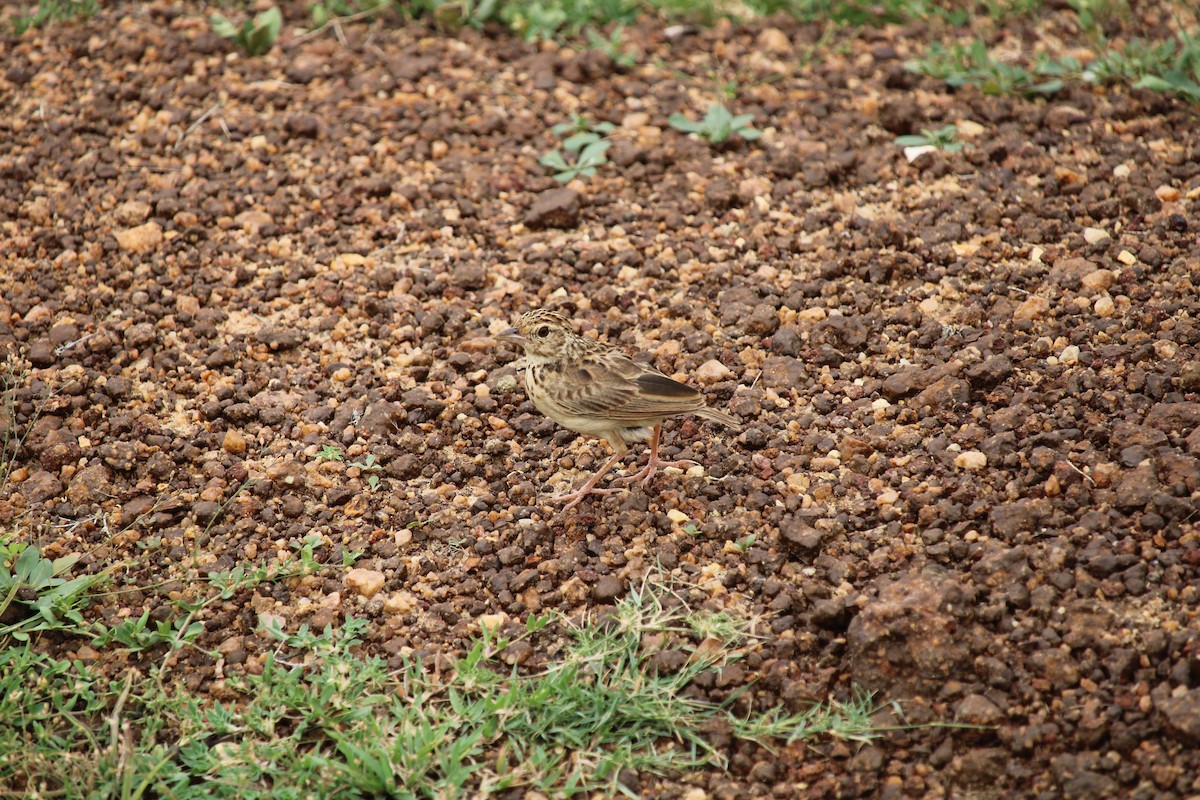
647, 472
590, 487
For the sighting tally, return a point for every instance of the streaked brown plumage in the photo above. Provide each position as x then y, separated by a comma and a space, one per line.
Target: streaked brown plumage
595, 389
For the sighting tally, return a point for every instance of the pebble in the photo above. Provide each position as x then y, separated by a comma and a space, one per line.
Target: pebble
1032, 308
1104, 306
141, 239
774, 40
1168, 194
607, 589
970, 460
1099, 280
233, 442
493, 622
555, 208
712, 371
1095, 235
132, 212
399, 603
1182, 715
366, 582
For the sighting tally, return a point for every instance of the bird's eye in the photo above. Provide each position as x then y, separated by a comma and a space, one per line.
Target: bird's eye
543, 331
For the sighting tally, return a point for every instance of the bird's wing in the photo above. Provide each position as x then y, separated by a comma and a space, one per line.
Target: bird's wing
615, 386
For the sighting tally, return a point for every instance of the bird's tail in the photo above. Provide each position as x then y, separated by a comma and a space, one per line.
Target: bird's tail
712, 415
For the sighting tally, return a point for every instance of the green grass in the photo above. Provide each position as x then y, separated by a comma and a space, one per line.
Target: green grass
319, 718
47, 12
1170, 66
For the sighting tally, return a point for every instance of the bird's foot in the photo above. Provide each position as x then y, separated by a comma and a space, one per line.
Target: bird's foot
652, 466
577, 496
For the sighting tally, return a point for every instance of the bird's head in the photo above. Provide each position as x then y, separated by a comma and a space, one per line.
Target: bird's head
543, 333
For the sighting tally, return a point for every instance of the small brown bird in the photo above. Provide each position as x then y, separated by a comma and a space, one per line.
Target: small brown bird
595, 389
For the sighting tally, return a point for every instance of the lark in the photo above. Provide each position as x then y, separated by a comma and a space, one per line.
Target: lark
595, 389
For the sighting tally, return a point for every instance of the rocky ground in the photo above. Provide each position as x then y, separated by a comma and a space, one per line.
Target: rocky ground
970, 384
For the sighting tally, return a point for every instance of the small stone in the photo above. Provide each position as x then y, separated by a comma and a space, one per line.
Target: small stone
975, 709
400, 603
970, 129
1127, 258
1034, 307
970, 460
1122, 171
677, 516
41, 353
774, 40
132, 212
712, 371
1099, 280
366, 582
607, 589
1095, 235
556, 208
89, 485
1069, 355
1168, 194
40, 487
141, 239
1104, 306
493, 622
634, 120
233, 442
1182, 716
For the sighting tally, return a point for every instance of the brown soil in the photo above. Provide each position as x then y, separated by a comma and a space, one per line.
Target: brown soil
970, 384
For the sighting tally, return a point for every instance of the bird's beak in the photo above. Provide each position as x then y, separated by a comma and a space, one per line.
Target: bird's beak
512, 335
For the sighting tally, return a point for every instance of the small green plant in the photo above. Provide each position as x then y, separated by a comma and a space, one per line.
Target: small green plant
1182, 76
944, 138
558, 19
54, 602
718, 125
137, 634
973, 65
1094, 14
746, 542
329, 452
581, 132
585, 141
586, 163
48, 11
612, 45
255, 36
370, 466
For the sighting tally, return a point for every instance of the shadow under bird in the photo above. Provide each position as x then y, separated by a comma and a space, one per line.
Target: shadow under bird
595, 389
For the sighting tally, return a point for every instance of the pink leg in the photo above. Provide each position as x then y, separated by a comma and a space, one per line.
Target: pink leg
590, 487
647, 472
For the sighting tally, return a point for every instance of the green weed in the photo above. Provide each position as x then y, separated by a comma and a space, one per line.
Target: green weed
317, 718
586, 142
255, 36
48, 11
718, 125
51, 601
973, 65
944, 138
